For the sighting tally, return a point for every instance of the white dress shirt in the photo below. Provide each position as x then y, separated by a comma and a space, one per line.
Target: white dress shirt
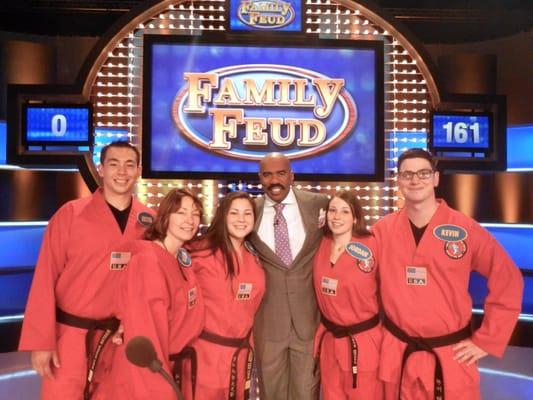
295, 225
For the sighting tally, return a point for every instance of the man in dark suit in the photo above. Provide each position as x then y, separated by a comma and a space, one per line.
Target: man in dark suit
287, 233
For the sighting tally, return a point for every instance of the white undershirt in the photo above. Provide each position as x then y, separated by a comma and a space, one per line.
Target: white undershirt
295, 225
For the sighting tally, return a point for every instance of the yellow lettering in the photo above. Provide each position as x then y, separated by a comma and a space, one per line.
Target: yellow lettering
255, 135
306, 138
263, 97
328, 89
199, 93
224, 125
227, 96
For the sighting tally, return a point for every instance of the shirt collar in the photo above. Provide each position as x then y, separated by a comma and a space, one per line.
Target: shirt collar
290, 199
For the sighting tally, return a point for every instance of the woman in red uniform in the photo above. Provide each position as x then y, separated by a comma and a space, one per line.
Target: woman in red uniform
232, 283
159, 298
348, 340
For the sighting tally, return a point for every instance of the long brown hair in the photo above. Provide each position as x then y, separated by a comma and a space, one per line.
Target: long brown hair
359, 227
217, 236
169, 205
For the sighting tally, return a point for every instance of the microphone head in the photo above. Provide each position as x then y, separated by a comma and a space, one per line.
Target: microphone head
140, 351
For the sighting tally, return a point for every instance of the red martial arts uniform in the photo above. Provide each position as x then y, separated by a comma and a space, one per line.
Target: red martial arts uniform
348, 300
158, 298
424, 290
77, 271
230, 309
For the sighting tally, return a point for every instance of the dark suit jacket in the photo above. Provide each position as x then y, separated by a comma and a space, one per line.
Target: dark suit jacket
289, 292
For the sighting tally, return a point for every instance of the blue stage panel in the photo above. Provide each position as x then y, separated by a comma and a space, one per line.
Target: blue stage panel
20, 245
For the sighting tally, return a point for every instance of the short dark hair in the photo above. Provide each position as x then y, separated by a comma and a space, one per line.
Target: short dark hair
359, 227
170, 204
120, 144
418, 153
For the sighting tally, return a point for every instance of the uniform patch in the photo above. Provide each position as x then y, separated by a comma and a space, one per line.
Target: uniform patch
328, 286
363, 255
416, 276
455, 250
366, 265
450, 233
184, 258
192, 297
119, 260
245, 291
248, 246
145, 218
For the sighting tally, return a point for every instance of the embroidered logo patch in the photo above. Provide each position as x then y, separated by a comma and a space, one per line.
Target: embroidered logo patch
245, 291
184, 258
450, 233
363, 255
119, 260
144, 218
328, 286
455, 250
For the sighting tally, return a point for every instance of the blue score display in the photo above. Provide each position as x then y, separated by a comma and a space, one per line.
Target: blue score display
453, 131
61, 125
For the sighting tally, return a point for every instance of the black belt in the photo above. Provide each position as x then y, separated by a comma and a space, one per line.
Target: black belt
108, 325
240, 344
339, 331
415, 344
188, 353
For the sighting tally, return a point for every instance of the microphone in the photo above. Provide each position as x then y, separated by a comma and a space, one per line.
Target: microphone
140, 352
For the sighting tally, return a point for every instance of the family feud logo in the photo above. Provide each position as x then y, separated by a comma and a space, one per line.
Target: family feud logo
266, 14
262, 108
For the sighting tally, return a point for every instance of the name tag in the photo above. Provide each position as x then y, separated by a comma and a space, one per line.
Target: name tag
245, 291
328, 286
192, 297
416, 276
119, 260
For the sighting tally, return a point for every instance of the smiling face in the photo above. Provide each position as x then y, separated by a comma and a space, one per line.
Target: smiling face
340, 218
119, 171
183, 223
416, 190
276, 177
240, 220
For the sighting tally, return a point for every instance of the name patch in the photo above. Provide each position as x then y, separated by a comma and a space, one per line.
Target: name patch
184, 258
328, 286
416, 276
363, 255
192, 297
119, 260
144, 218
450, 233
245, 291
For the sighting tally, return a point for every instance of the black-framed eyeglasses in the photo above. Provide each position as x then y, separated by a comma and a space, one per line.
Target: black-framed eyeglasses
422, 174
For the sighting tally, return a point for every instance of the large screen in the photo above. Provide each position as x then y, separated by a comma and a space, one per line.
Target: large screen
213, 108
57, 124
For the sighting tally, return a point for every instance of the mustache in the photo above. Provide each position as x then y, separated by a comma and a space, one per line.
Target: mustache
276, 185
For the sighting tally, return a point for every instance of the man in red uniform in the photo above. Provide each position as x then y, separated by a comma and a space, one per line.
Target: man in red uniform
67, 320
427, 251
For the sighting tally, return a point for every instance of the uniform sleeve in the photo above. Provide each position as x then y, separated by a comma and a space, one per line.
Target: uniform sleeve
504, 298
143, 307
39, 326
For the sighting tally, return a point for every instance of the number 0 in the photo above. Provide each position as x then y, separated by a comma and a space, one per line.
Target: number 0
59, 125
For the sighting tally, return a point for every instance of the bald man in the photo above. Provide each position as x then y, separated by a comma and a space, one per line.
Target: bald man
286, 237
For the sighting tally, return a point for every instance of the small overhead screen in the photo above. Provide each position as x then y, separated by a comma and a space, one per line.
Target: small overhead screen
57, 125
461, 132
213, 108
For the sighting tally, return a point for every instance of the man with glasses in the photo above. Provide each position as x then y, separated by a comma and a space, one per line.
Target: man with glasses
287, 236
426, 252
